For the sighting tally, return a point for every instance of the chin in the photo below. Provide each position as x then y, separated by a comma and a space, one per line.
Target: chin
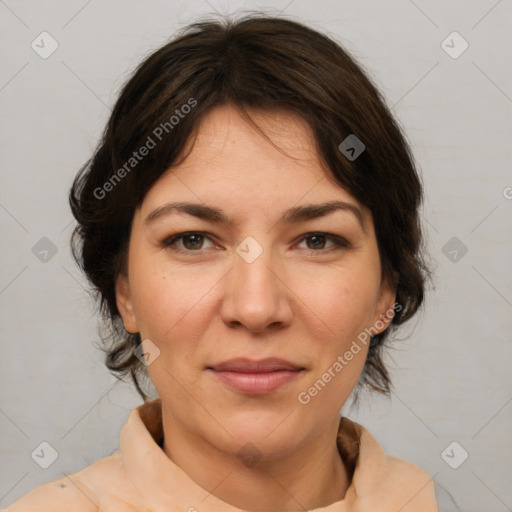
268, 430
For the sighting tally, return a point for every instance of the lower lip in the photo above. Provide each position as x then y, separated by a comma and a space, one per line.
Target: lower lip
256, 383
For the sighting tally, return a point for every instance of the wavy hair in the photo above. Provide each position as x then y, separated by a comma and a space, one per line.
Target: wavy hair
255, 62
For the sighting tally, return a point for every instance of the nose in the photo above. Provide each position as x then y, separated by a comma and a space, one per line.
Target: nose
257, 295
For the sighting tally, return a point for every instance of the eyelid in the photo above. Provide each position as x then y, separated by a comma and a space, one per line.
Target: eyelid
170, 240
338, 241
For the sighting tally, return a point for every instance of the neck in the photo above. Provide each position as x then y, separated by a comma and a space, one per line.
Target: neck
313, 476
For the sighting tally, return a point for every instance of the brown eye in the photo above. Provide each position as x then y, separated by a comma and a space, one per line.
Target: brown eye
316, 242
186, 242
193, 241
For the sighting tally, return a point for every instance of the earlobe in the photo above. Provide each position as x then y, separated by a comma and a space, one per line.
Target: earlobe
385, 306
125, 304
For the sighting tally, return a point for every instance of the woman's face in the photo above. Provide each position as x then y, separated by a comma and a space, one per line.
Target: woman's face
254, 281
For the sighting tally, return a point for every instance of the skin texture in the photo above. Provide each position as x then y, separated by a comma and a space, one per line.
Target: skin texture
304, 300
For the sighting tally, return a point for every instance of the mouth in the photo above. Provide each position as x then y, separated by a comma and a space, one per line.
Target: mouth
252, 377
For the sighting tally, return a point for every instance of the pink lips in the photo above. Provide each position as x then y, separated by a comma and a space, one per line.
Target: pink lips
256, 377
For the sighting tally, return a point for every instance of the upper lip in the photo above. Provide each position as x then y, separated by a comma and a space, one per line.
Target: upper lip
245, 365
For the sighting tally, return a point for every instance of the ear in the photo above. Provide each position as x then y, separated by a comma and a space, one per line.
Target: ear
384, 310
125, 304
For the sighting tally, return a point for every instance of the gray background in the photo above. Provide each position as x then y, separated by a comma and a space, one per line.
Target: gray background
452, 377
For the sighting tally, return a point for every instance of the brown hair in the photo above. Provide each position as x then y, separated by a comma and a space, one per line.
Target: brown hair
255, 62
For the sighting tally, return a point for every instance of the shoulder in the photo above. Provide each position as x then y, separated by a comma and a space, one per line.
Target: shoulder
412, 485
59, 495
401, 470
80, 492
379, 477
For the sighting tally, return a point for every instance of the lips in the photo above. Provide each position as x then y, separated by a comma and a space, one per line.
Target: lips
243, 365
251, 377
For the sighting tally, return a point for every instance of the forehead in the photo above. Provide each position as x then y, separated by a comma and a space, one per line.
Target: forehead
232, 164
228, 139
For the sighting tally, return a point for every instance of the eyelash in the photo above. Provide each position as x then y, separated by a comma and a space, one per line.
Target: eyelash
340, 243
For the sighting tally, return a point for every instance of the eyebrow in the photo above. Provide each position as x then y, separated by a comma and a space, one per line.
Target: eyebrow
291, 216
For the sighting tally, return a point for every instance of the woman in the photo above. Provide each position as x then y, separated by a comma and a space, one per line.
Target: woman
250, 223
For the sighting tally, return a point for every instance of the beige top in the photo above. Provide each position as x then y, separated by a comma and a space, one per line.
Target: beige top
140, 477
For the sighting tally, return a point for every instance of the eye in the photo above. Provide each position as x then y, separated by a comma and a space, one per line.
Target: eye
316, 242
191, 241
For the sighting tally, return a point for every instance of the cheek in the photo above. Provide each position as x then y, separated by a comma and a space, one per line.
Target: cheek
170, 302
341, 301
338, 306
